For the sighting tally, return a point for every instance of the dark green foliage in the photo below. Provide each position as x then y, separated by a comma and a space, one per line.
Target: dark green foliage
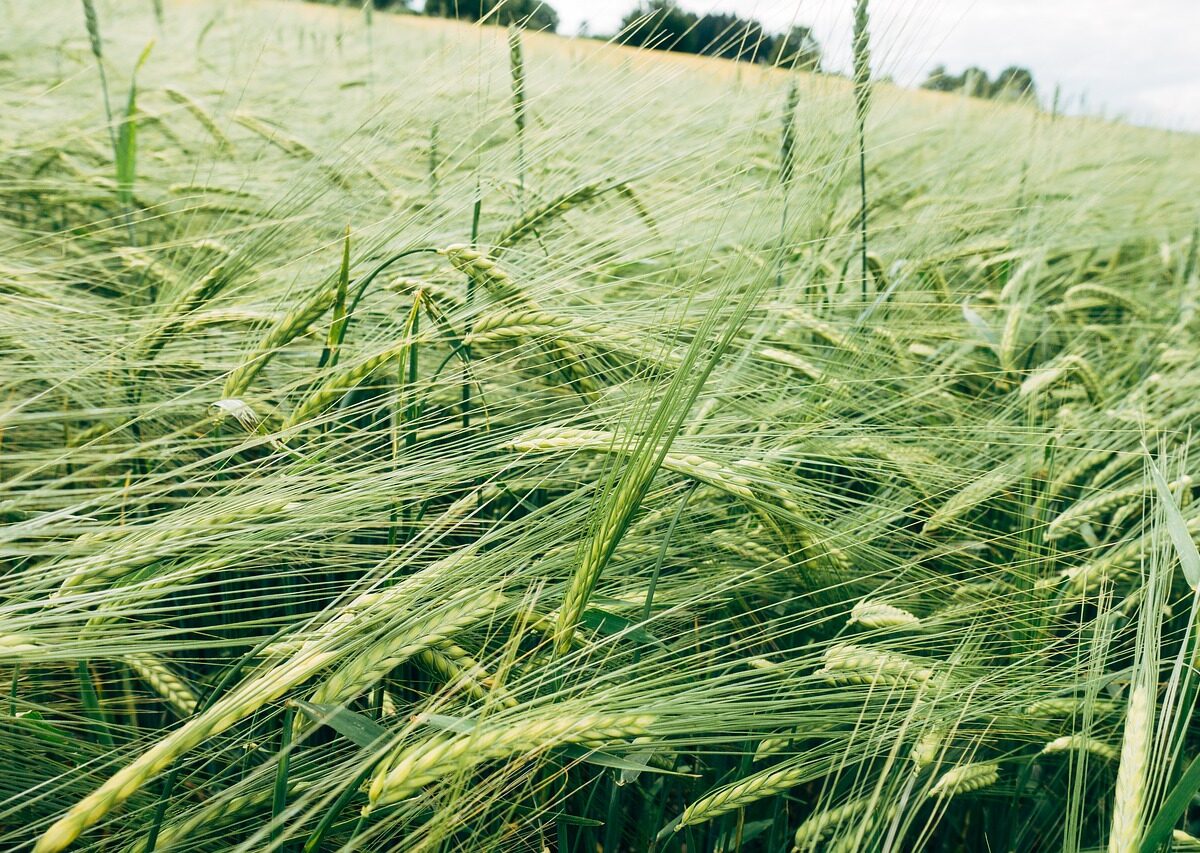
381, 5
530, 14
797, 48
663, 25
1013, 83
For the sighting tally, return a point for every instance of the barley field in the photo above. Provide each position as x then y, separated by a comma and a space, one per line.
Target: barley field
417, 436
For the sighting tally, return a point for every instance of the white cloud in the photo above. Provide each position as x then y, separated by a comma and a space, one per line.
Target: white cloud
1137, 59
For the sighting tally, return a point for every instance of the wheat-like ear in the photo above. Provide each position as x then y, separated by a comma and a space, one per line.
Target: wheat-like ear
517, 69
964, 779
881, 615
847, 664
167, 684
201, 116
1094, 507
862, 106
293, 324
1081, 743
92, 22
1129, 798
412, 768
363, 671
812, 830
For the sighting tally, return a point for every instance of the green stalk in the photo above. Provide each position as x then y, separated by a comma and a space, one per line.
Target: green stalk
91, 705
279, 796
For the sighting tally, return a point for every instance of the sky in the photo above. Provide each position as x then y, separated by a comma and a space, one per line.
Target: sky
1134, 59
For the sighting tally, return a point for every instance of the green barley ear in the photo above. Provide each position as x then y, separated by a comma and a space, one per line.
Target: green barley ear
862, 105
758, 786
291, 325
197, 111
787, 165
965, 778
92, 21
177, 692
516, 61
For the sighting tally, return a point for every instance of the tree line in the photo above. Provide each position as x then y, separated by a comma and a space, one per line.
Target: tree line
1013, 83
665, 25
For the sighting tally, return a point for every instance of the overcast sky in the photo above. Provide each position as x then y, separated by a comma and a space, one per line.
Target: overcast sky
1139, 59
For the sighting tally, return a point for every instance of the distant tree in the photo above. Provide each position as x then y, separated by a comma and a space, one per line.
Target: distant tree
797, 48
941, 80
532, 14
731, 37
381, 5
660, 24
975, 83
1014, 83
663, 25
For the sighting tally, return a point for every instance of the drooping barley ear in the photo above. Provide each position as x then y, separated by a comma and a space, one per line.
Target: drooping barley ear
862, 105
290, 145
462, 672
1129, 801
1071, 366
766, 783
880, 614
201, 115
426, 762
225, 712
735, 479
216, 810
1070, 707
556, 206
625, 190
1089, 295
166, 683
975, 493
345, 381
482, 270
291, 325
516, 60
1078, 514
965, 778
152, 544
863, 665
820, 824
928, 746
769, 746
1081, 743
363, 671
